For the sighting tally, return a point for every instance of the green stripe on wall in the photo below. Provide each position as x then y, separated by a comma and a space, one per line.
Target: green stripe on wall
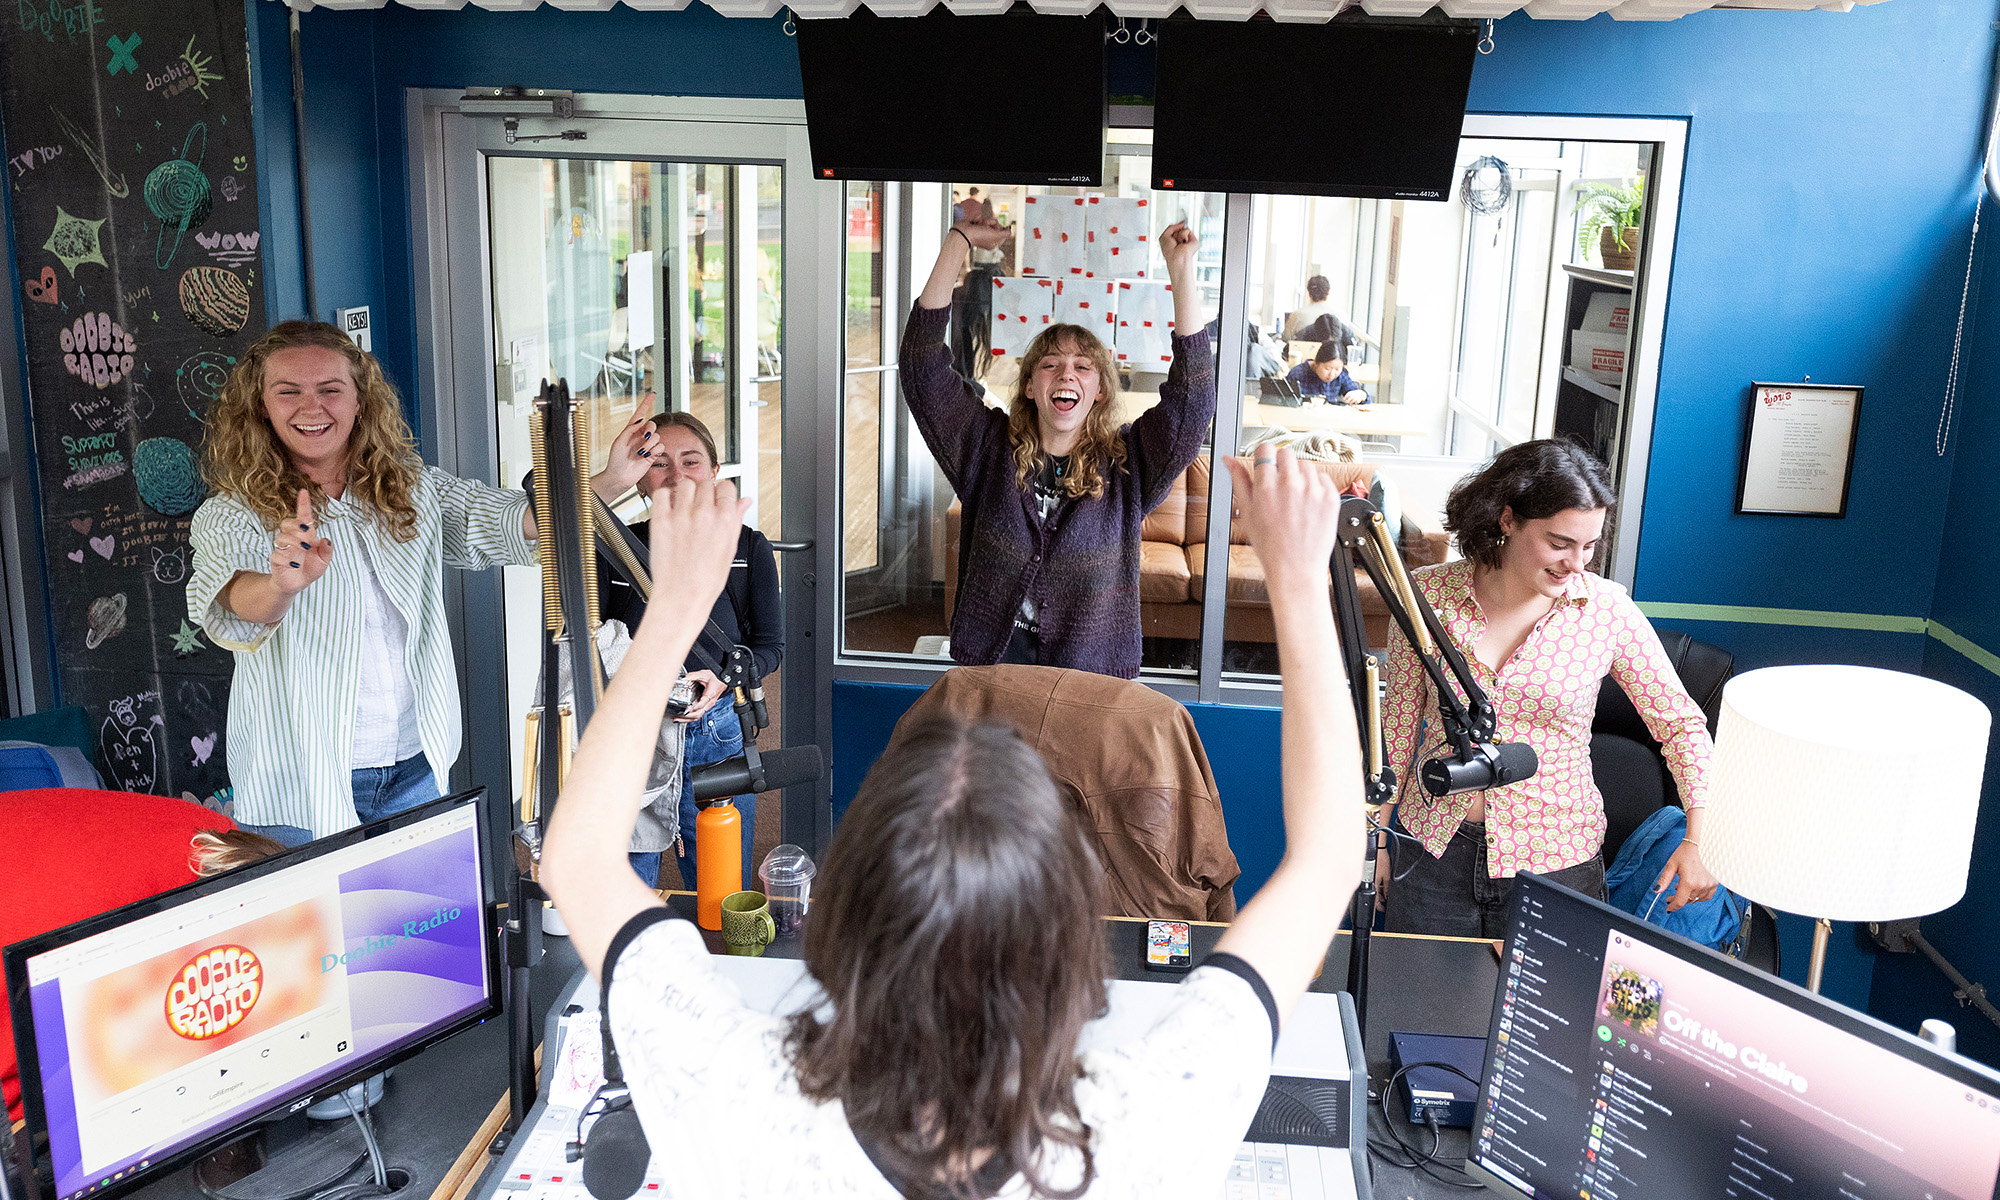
1668, 611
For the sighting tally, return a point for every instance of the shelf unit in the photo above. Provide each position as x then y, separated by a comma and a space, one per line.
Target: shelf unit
1588, 411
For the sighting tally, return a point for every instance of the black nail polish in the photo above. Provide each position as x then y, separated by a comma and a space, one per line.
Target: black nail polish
295, 564
303, 528
305, 545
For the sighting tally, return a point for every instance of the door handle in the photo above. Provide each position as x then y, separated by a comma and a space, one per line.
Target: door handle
792, 547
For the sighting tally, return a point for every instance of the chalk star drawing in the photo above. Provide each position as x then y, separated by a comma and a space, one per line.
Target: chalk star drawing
74, 241
121, 54
197, 65
187, 640
92, 151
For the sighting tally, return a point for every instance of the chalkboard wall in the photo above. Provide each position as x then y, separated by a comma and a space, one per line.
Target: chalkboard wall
133, 188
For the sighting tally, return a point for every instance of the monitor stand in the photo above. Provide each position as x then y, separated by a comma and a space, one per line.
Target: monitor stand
267, 1165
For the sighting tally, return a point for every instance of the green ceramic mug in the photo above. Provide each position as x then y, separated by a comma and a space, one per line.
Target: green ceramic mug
746, 923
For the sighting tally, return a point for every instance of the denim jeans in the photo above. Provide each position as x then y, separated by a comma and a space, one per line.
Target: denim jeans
1453, 896
714, 736
378, 792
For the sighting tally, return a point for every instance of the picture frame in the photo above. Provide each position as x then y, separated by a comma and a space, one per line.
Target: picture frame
1798, 450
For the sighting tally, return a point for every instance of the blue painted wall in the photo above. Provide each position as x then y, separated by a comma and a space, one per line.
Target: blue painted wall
1824, 216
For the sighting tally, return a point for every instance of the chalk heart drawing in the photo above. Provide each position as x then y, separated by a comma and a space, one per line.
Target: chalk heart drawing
179, 194
75, 241
76, 556
97, 350
129, 752
203, 747
43, 290
82, 524
106, 619
104, 545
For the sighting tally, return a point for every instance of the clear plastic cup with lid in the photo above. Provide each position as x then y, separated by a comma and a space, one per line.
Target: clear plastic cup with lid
788, 873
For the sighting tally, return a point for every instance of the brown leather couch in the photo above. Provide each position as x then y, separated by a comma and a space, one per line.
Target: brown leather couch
1173, 563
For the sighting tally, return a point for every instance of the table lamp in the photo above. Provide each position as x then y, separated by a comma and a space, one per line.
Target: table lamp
1844, 794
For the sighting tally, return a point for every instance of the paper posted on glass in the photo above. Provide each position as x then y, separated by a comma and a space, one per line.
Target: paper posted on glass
1052, 237
1145, 324
1091, 303
1798, 454
1022, 308
1115, 238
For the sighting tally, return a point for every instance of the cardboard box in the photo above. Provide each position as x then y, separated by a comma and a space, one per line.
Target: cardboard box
1599, 355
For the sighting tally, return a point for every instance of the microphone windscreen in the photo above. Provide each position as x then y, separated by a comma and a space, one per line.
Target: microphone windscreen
1517, 762
782, 768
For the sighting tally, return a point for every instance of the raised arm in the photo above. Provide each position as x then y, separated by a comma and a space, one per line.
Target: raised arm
1291, 513
583, 861
945, 406
1167, 436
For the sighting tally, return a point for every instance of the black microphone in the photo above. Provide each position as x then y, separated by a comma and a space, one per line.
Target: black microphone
779, 769
1491, 765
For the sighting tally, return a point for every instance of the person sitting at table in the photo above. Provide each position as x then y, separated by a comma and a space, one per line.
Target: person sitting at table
1316, 320
1054, 460
1326, 378
956, 942
1539, 632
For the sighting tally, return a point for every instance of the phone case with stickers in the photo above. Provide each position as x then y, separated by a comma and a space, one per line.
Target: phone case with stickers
1167, 946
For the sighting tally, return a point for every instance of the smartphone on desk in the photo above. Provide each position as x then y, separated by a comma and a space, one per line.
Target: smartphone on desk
1167, 947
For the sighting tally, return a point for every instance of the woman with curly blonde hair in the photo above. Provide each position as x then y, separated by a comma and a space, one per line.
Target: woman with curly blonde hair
319, 559
1054, 490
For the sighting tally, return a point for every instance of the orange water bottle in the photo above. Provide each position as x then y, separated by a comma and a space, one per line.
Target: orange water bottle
718, 860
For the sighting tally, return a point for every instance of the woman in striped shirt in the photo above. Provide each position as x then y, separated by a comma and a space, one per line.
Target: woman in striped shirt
319, 559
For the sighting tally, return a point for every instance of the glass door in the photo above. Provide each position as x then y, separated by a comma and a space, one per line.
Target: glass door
650, 273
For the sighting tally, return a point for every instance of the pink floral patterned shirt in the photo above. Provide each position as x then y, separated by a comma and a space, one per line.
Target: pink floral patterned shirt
1545, 695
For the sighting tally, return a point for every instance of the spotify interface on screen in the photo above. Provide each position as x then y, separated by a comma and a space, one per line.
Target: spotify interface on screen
1619, 1069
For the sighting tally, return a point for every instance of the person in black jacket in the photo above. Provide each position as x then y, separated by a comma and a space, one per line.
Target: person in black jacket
749, 613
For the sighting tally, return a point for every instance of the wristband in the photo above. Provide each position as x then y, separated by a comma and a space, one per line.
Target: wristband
969, 247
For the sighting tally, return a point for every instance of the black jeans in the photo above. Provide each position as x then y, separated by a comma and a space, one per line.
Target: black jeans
1453, 896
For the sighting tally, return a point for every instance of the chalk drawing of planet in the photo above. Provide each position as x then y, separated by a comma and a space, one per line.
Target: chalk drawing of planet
216, 299
169, 480
107, 620
179, 195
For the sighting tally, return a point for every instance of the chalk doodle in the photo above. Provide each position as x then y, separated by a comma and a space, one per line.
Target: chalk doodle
230, 188
187, 640
232, 248
43, 290
106, 620
33, 157
97, 350
170, 566
91, 149
203, 747
197, 64
104, 546
199, 380
169, 480
132, 298
92, 459
49, 17
121, 53
75, 241
76, 556
179, 195
215, 299
82, 524
239, 164
130, 753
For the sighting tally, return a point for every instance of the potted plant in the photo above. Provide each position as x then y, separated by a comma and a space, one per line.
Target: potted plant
1611, 219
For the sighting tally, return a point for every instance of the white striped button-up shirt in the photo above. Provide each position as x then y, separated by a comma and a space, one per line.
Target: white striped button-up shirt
291, 704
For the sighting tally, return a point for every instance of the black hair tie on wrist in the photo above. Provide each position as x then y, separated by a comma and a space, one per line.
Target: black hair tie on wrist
968, 241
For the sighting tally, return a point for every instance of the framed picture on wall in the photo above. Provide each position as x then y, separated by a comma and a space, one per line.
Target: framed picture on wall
1798, 449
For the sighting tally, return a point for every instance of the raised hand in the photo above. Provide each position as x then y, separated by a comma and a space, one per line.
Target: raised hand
1177, 246
1291, 512
298, 556
983, 232
631, 455
694, 532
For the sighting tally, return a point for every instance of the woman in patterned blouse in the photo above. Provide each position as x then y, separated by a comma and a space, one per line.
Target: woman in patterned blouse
1540, 633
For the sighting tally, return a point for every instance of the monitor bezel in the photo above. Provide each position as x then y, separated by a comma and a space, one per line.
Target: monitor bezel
14, 958
1886, 1036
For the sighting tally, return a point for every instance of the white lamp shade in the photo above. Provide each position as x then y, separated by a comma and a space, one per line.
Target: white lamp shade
1845, 792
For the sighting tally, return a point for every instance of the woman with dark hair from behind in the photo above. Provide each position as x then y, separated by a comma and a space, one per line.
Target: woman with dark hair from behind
956, 938
1539, 632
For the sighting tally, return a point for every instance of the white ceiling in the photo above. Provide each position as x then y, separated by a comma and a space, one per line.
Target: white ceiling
1303, 11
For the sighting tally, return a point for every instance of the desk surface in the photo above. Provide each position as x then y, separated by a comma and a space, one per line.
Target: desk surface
437, 1101
1382, 420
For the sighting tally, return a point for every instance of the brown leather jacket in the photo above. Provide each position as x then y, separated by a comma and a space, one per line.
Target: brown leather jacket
1130, 759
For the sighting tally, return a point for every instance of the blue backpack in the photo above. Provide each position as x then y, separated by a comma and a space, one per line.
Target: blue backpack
1716, 921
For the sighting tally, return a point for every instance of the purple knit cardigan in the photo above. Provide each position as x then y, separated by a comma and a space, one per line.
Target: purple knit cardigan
1082, 567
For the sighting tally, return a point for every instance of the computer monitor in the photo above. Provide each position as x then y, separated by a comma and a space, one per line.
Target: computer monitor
1625, 1061
160, 1030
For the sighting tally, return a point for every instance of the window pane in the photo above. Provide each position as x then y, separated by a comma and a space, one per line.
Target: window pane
915, 526
706, 235
769, 368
